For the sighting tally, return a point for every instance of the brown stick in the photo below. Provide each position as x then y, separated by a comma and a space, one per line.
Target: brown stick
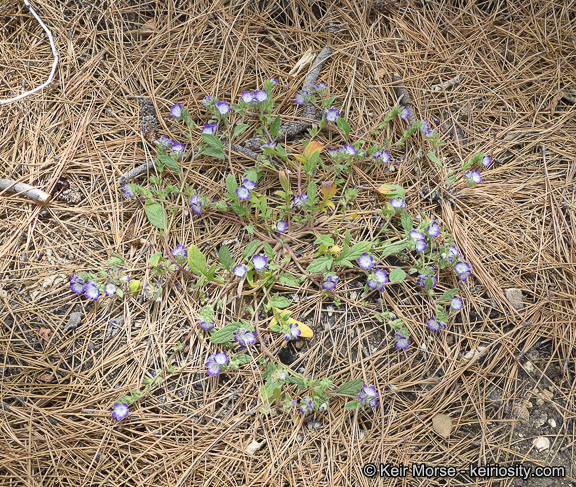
404, 96
24, 189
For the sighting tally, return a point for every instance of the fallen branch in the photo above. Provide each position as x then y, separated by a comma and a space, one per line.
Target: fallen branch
133, 173
446, 84
291, 129
568, 98
24, 189
403, 97
54, 64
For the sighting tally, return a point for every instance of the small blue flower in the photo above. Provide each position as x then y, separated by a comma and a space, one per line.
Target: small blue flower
366, 261
177, 147
330, 282
423, 278
473, 177
301, 97
451, 255
300, 199
381, 276
240, 270
180, 251
247, 97
243, 193
456, 303
208, 101
463, 269
77, 284
306, 405
435, 325
120, 411
176, 110
248, 184
350, 150
196, 203
260, 95
274, 81
260, 261
269, 144
420, 245
215, 362
281, 226
416, 235
128, 193
331, 115
165, 142
222, 107
486, 161
293, 332
368, 393
206, 325
404, 113
210, 128
320, 86
433, 229
244, 337
90, 290
110, 289
385, 157
401, 341
397, 203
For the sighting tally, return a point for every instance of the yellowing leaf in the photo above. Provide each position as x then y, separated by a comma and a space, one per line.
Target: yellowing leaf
283, 314
385, 189
351, 216
311, 148
306, 332
335, 250
134, 285
328, 190
302, 159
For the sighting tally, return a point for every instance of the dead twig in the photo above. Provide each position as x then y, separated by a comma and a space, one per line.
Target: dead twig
446, 84
54, 64
404, 97
24, 189
568, 98
133, 173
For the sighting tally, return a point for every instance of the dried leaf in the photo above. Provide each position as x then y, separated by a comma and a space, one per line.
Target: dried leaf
380, 73
306, 58
442, 424
45, 333
254, 446
311, 148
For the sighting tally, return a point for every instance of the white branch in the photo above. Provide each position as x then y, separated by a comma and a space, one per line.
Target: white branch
54, 65
24, 189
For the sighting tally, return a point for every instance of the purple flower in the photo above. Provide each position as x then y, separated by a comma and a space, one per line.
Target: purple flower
384, 157
306, 405
208, 101
381, 276
260, 95
269, 144
165, 142
120, 411
91, 291
300, 199
404, 113
333, 152
248, 184
210, 128
243, 193
473, 177
417, 235
222, 107
486, 161
77, 284
177, 147
373, 284
350, 150
274, 81
260, 261
331, 115
301, 97
433, 229
397, 203
293, 332
180, 251
196, 203
420, 245
330, 282
423, 278
176, 110
128, 193
451, 255
247, 97
206, 325
244, 337
435, 325
463, 269
215, 362
110, 289
401, 341
366, 261
240, 270
456, 303
320, 86
368, 392
281, 226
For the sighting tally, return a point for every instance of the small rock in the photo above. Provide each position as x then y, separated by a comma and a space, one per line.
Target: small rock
474, 353
528, 366
547, 394
539, 402
541, 443
521, 413
73, 321
552, 423
540, 420
442, 424
515, 297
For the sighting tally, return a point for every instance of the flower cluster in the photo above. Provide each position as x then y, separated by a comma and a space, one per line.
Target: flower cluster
306, 405
196, 203
344, 152
92, 289
381, 156
462, 268
244, 337
368, 395
243, 192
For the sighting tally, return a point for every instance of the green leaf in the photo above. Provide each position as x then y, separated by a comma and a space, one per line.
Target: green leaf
240, 129
288, 280
225, 334
231, 185
241, 358
343, 126
312, 189
197, 261
434, 159
214, 152
449, 294
169, 163
154, 259
225, 257
347, 237
212, 141
275, 127
407, 222
321, 264
351, 388
356, 251
251, 249
441, 316
268, 250
155, 213
397, 275
298, 381
119, 292
394, 248
279, 302
352, 405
